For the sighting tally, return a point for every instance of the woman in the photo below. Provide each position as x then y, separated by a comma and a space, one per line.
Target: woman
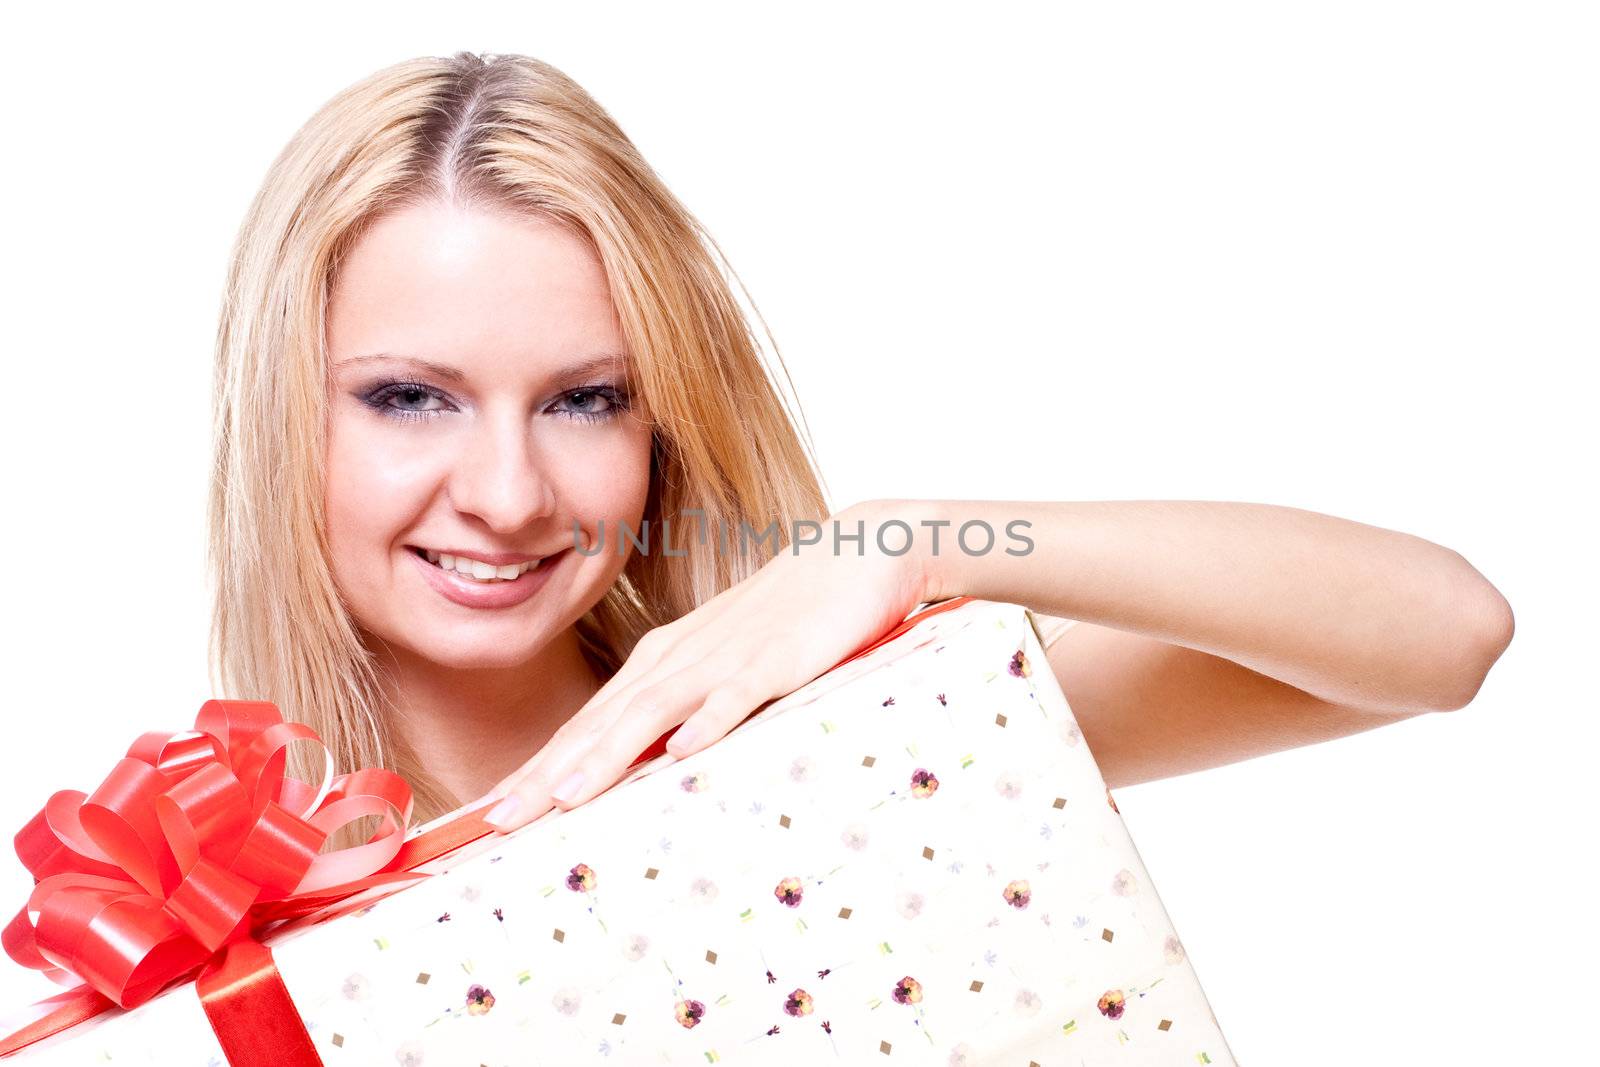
472, 346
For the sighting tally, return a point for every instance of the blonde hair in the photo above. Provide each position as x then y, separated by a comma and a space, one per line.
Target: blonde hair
507, 132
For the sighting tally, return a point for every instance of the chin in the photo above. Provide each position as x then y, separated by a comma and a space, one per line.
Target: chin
469, 647
482, 654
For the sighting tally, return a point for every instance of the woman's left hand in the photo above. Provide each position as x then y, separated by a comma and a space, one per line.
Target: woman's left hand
761, 639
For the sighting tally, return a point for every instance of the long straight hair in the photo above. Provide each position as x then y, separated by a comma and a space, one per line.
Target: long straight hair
504, 132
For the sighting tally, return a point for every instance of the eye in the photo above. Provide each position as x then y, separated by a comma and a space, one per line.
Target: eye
594, 403
405, 394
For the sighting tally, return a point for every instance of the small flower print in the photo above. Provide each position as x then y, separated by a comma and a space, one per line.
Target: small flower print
703, 890
1018, 893
409, 1054
854, 837
798, 1003
1008, 785
800, 770
923, 783
1111, 1004
943, 703
963, 1056
909, 904
1172, 949
1019, 665
1124, 884
582, 879
907, 991
635, 947
689, 1013
470, 893
567, 1000
695, 783
1070, 733
789, 891
1027, 1002
356, 987
479, 1000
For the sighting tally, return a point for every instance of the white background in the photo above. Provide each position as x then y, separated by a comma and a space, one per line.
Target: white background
1339, 257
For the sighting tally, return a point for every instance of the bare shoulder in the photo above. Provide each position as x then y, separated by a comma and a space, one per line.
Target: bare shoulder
1149, 709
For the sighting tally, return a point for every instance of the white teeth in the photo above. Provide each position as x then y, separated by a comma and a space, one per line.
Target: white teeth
477, 570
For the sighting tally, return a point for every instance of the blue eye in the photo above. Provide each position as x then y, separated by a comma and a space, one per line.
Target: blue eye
411, 392
616, 402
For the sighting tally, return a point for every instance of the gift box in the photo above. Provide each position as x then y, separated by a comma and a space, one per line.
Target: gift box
912, 859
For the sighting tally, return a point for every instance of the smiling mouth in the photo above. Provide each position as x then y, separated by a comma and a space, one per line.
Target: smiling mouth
482, 573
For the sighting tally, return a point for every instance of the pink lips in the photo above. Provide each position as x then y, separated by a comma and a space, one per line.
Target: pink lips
471, 594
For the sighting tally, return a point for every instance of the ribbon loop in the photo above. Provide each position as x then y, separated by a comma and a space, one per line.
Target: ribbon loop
194, 842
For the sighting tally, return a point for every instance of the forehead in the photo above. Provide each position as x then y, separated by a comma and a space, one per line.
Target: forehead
471, 287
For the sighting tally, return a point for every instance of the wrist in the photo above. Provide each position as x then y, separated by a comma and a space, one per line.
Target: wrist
925, 526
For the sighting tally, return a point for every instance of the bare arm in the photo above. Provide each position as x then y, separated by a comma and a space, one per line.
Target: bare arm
1212, 631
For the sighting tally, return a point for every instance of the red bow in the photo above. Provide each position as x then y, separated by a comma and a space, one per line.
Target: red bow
194, 841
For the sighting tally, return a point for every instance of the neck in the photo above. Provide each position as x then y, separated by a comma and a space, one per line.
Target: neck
470, 728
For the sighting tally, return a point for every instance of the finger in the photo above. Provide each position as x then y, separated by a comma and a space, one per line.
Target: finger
522, 795
716, 709
723, 709
657, 697
559, 773
652, 710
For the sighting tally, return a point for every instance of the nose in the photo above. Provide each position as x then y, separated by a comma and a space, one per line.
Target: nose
498, 476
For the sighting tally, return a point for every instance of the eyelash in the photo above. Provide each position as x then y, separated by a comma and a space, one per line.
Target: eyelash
378, 399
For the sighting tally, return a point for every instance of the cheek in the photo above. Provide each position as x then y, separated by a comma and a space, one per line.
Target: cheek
372, 493
608, 480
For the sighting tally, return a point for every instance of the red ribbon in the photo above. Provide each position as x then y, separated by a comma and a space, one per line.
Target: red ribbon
196, 844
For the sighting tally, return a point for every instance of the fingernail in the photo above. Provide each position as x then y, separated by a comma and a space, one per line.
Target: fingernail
683, 741
505, 811
569, 788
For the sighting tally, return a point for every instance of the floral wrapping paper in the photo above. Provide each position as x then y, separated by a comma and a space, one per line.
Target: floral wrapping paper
912, 859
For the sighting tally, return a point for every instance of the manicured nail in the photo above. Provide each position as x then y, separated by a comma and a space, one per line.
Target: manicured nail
569, 788
503, 812
683, 741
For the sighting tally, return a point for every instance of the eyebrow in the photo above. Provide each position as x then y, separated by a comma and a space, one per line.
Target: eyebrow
604, 361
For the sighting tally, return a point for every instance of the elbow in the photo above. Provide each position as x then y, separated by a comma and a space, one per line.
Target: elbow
1484, 626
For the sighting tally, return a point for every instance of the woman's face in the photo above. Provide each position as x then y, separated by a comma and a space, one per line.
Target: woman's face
480, 404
